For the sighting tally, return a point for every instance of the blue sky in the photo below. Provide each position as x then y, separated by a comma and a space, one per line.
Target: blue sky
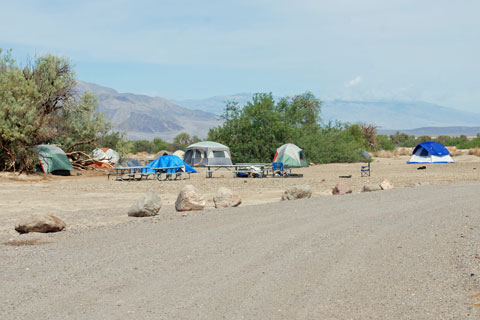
372, 49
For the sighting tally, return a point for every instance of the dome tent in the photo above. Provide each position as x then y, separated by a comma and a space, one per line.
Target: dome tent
179, 153
430, 152
207, 153
53, 160
105, 156
291, 156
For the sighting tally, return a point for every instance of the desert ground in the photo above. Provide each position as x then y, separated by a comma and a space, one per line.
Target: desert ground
407, 253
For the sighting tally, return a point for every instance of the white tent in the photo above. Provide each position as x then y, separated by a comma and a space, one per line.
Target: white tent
207, 153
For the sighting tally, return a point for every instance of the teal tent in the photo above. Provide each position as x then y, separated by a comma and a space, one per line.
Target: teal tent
53, 160
291, 156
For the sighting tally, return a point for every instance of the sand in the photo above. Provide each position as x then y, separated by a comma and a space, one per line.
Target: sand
409, 253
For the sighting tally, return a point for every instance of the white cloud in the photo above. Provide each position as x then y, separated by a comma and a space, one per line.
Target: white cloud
354, 82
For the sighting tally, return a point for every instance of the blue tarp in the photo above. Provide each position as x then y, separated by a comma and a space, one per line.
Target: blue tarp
433, 148
168, 160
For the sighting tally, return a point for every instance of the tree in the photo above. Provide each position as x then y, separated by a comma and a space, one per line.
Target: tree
256, 131
38, 105
183, 139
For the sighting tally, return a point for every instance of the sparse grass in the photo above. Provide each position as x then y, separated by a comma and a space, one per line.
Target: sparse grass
454, 151
393, 153
474, 152
30, 242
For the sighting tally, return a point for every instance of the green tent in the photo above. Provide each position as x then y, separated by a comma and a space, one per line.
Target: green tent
53, 160
291, 156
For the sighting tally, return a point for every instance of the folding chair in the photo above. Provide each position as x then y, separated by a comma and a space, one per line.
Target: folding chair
277, 168
365, 170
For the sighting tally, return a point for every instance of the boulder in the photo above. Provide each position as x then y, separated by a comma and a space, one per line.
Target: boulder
40, 223
147, 205
225, 198
386, 185
295, 193
341, 188
189, 199
371, 187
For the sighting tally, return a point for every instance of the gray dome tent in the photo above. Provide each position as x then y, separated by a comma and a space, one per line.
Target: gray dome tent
207, 153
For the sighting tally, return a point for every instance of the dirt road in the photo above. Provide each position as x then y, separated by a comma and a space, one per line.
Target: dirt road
409, 253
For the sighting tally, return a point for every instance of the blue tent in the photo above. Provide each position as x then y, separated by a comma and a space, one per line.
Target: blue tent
169, 160
430, 152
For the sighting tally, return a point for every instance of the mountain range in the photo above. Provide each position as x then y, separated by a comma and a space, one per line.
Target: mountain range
145, 117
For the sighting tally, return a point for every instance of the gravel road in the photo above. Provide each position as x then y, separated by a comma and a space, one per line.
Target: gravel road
409, 253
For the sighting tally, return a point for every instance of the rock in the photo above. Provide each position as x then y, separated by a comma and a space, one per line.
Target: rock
386, 185
341, 188
147, 205
189, 199
40, 223
225, 198
295, 193
371, 187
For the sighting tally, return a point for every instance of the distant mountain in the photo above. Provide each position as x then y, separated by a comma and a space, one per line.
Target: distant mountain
436, 131
144, 117
384, 114
397, 114
215, 105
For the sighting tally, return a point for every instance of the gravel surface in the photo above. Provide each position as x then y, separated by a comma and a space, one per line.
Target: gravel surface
408, 253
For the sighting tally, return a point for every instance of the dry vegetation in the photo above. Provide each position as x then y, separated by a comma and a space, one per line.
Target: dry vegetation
474, 152
393, 153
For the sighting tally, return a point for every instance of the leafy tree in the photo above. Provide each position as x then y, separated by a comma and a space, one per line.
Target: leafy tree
38, 105
182, 140
256, 131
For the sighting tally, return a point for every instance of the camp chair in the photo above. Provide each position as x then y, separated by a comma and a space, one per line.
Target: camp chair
277, 168
365, 170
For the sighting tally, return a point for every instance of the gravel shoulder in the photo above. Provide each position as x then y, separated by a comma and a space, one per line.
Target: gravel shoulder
409, 253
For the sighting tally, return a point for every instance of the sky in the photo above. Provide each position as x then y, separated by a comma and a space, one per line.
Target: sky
426, 50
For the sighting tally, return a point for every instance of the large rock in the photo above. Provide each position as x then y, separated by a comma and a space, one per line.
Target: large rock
295, 193
371, 187
386, 185
189, 199
40, 223
147, 205
341, 189
225, 198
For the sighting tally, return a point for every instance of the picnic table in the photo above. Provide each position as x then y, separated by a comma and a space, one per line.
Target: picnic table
126, 173
249, 169
140, 172
171, 173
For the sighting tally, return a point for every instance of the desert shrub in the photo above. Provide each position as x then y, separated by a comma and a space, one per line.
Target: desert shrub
474, 151
384, 143
454, 151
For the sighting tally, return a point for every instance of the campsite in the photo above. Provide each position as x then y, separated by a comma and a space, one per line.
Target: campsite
261, 160
255, 248
92, 200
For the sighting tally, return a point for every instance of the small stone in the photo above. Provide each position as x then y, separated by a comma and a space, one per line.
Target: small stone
147, 205
386, 185
341, 189
225, 198
189, 199
371, 187
295, 193
40, 223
